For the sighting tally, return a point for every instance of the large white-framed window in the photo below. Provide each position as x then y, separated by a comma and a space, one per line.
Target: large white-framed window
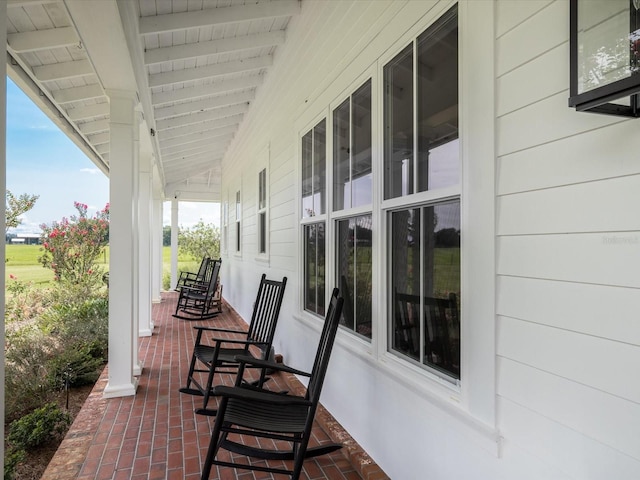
352, 179
313, 212
421, 206
263, 227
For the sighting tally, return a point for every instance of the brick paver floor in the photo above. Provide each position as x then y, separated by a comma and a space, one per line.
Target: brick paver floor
156, 434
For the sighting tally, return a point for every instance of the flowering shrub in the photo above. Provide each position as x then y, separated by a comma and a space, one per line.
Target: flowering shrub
72, 246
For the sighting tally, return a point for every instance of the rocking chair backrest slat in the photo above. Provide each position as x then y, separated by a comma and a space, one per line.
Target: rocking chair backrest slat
212, 279
324, 348
266, 311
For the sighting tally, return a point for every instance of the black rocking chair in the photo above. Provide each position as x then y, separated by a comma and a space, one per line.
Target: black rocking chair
251, 411
191, 278
219, 355
197, 300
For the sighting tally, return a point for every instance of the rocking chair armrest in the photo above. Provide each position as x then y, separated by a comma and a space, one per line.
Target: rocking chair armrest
214, 329
194, 288
281, 367
238, 341
264, 396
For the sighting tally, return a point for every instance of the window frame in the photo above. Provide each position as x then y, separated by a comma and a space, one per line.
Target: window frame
321, 218
418, 199
238, 223
225, 223
262, 210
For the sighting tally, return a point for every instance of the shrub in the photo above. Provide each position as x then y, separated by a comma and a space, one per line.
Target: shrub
72, 246
39, 427
75, 367
13, 457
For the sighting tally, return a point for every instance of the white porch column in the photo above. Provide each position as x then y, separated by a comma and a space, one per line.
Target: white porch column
3, 186
174, 243
122, 340
135, 266
156, 280
145, 214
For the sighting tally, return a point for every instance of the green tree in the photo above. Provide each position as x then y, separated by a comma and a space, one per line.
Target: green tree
203, 240
166, 235
17, 206
72, 246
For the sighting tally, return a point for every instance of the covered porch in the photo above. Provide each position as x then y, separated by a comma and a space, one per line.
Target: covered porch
156, 434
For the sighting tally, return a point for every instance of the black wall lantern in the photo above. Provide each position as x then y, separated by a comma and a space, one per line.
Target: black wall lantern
605, 56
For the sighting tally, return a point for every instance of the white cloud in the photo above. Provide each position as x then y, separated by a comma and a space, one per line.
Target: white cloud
92, 171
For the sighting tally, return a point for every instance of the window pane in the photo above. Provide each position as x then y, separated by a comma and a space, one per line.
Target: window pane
262, 189
341, 157
608, 42
354, 264
398, 125
319, 167
314, 267
425, 286
307, 175
405, 282
262, 247
361, 156
441, 267
438, 146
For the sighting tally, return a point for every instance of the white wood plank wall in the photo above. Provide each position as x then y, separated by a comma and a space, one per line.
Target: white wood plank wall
568, 249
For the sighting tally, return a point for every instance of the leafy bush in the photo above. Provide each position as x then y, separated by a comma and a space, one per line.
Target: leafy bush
12, 457
75, 367
39, 427
72, 246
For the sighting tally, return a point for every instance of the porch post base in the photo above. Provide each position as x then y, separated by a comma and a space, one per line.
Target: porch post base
126, 390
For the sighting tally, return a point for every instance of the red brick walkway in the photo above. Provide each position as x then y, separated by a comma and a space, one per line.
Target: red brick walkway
156, 434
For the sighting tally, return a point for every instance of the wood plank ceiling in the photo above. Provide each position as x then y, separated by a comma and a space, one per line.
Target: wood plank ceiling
203, 62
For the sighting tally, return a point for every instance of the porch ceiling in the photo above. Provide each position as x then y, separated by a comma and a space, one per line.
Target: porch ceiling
195, 65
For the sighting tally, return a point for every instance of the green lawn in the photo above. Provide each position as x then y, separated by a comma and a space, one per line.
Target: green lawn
22, 263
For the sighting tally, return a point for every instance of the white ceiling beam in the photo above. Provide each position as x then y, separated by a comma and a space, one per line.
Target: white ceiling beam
194, 137
205, 142
209, 71
201, 167
96, 126
76, 94
195, 152
232, 121
88, 111
216, 114
178, 178
203, 105
212, 47
193, 93
99, 138
42, 39
63, 70
217, 16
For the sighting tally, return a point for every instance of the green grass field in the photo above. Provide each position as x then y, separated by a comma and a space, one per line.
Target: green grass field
22, 263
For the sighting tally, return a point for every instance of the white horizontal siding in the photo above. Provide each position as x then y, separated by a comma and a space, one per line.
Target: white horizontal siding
595, 154
601, 416
602, 364
598, 206
511, 13
527, 41
576, 455
601, 311
546, 121
607, 258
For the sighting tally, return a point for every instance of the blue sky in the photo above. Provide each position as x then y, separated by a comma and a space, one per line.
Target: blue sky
41, 160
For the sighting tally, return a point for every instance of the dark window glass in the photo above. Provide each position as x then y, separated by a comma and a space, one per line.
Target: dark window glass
425, 286
314, 267
354, 263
